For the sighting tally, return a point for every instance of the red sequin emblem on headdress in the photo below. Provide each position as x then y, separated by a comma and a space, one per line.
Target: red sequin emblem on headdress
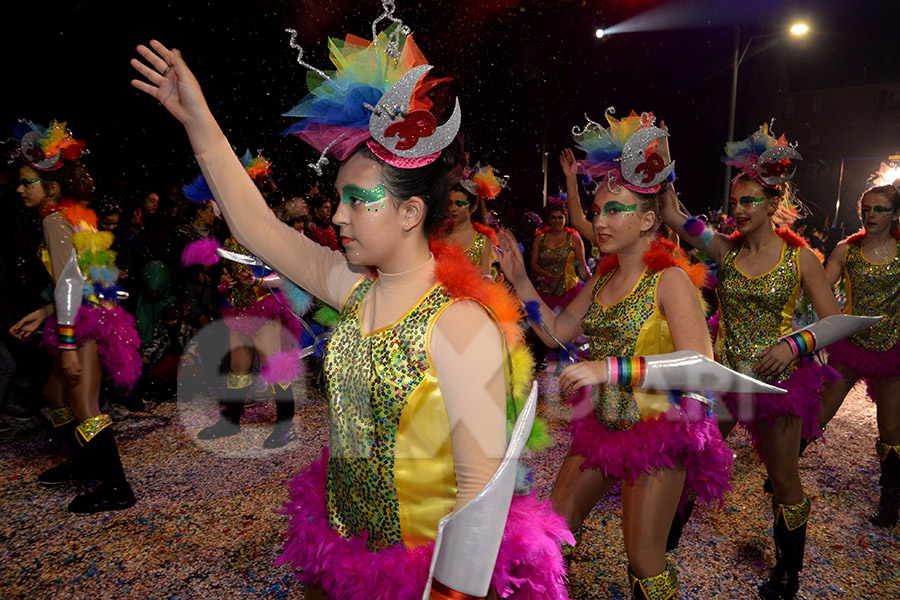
417, 124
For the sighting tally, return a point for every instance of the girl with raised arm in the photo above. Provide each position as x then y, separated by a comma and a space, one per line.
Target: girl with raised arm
416, 379
640, 303
869, 262
90, 333
763, 270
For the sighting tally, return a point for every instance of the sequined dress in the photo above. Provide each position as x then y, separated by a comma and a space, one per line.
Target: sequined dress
633, 431
872, 289
753, 313
557, 291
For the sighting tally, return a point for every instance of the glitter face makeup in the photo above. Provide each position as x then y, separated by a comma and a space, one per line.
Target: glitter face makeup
618, 208
370, 198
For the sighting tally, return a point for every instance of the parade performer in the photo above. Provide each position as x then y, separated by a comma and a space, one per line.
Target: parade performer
466, 231
91, 332
259, 319
869, 262
557, 258
417, 427
642, 302
762, 271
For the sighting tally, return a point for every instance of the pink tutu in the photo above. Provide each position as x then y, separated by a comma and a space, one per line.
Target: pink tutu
271, 308
658, 443
529, 565
117, 341
870, 365
803, 399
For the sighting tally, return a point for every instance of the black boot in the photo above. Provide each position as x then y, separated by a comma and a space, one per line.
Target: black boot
659, 587
678, 522
889, 503
283, 432
73, 468
231, 407
767, 484
790, 544
102, 452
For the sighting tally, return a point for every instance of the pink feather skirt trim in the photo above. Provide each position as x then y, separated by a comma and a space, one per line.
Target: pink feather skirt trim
803, 399
656, 444
247, 321
529, 565
117, 341
870, 365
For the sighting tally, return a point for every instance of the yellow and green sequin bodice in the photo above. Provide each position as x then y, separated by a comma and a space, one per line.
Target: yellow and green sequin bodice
476, 249
755, 311
874, 289
561, 262
241, 296
633, 326
390, 467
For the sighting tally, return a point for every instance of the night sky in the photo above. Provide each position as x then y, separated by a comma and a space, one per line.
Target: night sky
523, 70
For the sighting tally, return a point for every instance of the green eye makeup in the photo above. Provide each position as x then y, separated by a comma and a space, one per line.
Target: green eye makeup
353, 192
751, 201
617, 207
26, 181
461, 203
879, 209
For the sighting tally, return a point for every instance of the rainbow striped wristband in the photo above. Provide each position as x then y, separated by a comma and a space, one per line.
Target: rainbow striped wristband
629, 370
67, 338
801, 343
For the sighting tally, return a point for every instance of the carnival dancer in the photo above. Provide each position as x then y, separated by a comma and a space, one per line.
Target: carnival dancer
762, 272
641, 302
259, 319
557, 258
466, 227
411, 439
869, 262
91, 332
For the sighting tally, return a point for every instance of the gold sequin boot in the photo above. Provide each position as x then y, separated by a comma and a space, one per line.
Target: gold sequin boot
659, 587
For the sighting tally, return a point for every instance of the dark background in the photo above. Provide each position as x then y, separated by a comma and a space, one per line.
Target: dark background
525, 71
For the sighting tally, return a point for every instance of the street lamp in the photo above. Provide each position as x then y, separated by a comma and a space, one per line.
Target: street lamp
798, 29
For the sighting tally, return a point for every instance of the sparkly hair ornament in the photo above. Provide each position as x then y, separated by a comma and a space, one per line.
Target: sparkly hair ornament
559, 200
43, 148
376, 95
761, 157
198, 192
626, 152
483, 181
257, 167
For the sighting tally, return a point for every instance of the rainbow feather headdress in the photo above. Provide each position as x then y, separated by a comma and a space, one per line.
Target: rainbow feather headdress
483, 181
761, 157
376, 95
625, 153
257, 167
44, 148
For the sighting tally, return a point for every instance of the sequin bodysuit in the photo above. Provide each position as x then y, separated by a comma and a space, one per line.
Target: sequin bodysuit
756, 311
241, 296
476, 248
633, 326
873, 289
376, 383
561, 262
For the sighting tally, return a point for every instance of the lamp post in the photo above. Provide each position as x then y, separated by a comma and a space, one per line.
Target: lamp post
798, 29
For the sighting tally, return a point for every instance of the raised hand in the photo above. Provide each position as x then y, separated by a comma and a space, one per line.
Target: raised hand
567, 162
511, 261
168, 79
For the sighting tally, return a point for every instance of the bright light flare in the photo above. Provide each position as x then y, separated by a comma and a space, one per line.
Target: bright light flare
799, 29
888, 173
599, 33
